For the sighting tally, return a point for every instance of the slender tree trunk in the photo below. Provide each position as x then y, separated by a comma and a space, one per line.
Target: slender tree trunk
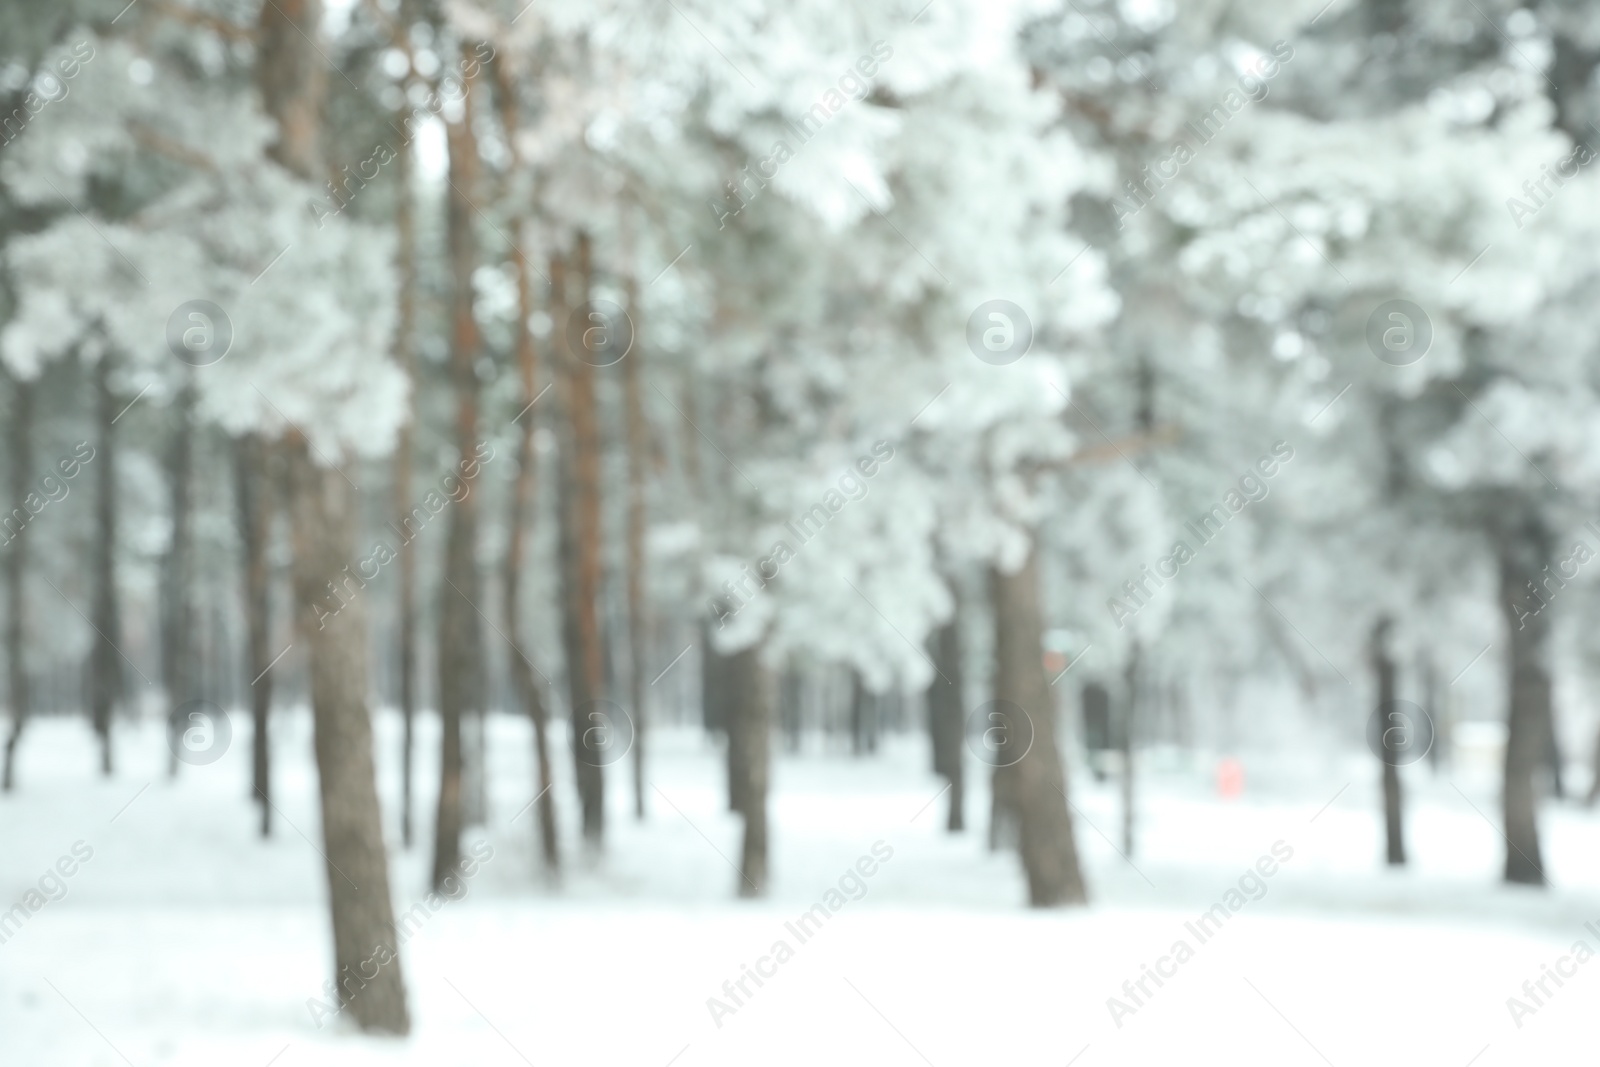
751, 709
581, 543
460, 640
405, 355
736, 724
946, 717
178, 636
859, 699
15, 526
638, 611
713, 685
1128, 736
255, 523
1384, 671
105, 668
522, 498
1524, 550
292, 78
1049, 852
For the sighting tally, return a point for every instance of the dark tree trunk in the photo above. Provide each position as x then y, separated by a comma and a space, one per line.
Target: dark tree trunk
405, 355
1128, 737
1383, 673
177, 631
523, 495
15, 526
1524, 550
638, 610
791, 703
291, 75
1049, 852
735, 724
460, 637
713, 685
254, 483
946, 718
105, 663
750, 732
580, 556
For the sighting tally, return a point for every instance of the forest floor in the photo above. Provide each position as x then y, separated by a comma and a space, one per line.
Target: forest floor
185, 939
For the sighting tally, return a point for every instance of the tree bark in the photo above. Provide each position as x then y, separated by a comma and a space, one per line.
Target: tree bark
1128, 736
751, 709
946, 717
1048, 849
323, 519
581, 543
16, 574
460, 638
177, 631
105, 665
1524, 550
255, 522
638, 611
292, 80
405, 355
1383, 672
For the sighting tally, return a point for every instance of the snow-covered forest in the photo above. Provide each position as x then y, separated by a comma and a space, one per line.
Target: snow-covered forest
519, 517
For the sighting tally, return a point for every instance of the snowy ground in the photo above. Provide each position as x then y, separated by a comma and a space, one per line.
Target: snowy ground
185, 940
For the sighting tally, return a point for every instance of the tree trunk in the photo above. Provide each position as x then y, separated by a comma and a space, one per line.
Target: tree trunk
1049, 852
15, 526
1128, 736
292, 76
713, 684
1383, 672
751, 709
105, 664
580, 555
177, 631
460, 639
1524, 551
324, 522
255, 523
638, 611
405, 355
522, 498
946, 718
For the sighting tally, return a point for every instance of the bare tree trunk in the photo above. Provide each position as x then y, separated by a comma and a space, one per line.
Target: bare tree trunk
177, 631
946, 718
460, 639
1128, 736
105, 664
713, 685
751, 708
16, 573
1524, 550
1049, 852
405, 355
1383, 671
638, 611
522, 498
352, 828
735, 724
292, 79
255, 523
581, 542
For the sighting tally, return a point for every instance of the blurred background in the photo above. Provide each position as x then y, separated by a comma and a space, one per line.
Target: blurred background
693, 533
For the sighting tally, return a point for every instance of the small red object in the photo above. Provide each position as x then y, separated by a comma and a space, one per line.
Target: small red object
1230, 778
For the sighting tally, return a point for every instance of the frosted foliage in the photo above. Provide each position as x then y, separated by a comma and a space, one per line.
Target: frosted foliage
310, 305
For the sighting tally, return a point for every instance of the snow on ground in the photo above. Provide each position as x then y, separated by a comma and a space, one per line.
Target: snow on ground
184, 939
